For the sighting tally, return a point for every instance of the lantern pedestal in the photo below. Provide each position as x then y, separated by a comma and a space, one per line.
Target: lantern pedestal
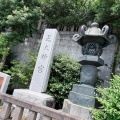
81, 98
82, 95
76, 110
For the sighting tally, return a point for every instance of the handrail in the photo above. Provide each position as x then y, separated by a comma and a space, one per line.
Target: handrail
34, 108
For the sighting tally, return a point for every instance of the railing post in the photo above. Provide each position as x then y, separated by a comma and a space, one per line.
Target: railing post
5, 112
72, 29
46, 118
32, 115
58, 28
64, 29
79, 29
17, 113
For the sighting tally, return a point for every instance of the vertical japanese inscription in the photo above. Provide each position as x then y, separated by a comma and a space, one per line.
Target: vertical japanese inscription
40, 68
44, 55
43, 64
48, 38
46, 47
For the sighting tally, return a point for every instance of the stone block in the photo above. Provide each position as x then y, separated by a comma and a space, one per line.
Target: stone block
36, 98
81, 99
76, 110
83, 89
91, 60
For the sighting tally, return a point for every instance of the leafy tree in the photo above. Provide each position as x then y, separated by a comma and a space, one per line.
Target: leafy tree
4, 49
66, 12
75, 12
103, 10
110, 101
21, 18
107, 12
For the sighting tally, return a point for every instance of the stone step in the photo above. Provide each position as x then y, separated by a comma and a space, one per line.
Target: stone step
81, 99
84, 89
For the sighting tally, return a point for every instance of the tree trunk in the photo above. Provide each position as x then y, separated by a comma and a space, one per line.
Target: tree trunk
3, 61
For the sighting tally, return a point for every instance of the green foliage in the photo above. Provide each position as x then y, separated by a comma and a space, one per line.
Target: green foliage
21, 18
107, 12
103, 10
4, 45
64, 73
66, 12
110, 101
4, 49
75, 12
21, 73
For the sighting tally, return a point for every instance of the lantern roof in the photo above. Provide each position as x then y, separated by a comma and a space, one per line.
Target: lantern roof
94, 35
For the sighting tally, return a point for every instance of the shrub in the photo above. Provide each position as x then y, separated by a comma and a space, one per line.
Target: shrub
21, 73
64, 73
110, 101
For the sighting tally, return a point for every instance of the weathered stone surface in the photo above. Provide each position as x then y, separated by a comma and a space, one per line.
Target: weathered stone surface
105, 71
88, 75
84, 89
81, 99
76, 110
91, 60
5, 112
31, 115
43, 64
47, 118
17, 114
35, 97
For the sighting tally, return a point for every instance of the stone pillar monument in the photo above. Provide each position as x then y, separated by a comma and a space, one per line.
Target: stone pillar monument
81, 98
36, 92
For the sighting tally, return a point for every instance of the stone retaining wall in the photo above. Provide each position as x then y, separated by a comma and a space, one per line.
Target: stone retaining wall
65, 45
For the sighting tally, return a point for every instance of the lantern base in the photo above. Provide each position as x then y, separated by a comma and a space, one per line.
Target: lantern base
82, 95
76, 110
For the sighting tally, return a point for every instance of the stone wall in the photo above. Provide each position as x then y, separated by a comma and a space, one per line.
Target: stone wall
20, 51
66, 45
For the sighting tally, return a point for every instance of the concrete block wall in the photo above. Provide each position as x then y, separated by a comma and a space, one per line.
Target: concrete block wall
20, 51
67, 45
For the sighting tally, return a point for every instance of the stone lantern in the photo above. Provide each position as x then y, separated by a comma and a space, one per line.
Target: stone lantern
81, 98
92, 41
